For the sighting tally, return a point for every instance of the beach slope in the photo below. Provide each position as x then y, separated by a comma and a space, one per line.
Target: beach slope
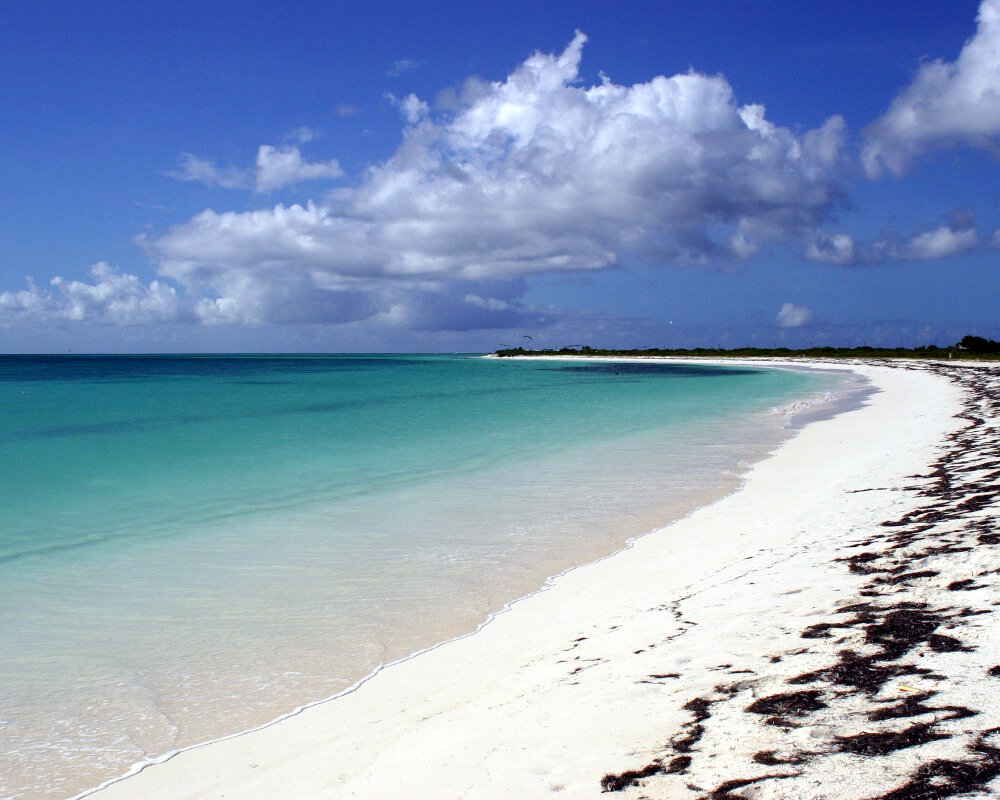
827, 631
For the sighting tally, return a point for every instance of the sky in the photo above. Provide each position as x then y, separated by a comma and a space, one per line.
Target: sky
338, 177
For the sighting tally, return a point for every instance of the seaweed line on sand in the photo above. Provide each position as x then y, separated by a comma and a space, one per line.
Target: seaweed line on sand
886, 656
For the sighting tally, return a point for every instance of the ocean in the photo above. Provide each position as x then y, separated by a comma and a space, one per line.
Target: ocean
191, 546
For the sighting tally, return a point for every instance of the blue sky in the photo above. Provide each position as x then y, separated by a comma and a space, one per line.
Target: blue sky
318, 176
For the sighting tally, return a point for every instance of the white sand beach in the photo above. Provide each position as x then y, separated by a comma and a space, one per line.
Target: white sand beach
827, 631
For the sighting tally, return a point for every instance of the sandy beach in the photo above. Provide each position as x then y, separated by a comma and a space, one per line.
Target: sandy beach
827, 631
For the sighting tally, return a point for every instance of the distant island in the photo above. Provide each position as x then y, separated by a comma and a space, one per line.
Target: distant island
970, 347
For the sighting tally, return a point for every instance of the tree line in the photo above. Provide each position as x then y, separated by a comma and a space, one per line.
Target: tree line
975, 347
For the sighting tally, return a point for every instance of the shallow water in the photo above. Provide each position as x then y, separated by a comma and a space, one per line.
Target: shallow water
193, 546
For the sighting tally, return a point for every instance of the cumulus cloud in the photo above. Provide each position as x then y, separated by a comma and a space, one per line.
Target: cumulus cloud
275, 168
113, 298
536, 173
947, 103
30, 302
793, 316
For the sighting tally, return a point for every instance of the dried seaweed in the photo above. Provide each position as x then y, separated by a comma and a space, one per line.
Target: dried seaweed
879, 743
902, 553
724, 791
914, 705
948, 777
621, 781
795, 704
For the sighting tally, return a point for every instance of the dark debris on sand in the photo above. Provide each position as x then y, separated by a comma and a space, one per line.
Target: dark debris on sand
957, 510
949, 778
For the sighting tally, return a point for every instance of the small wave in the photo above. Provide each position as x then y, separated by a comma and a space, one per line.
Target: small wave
802, 405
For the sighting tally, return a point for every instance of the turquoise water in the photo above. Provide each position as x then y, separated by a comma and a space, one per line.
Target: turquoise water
190, 546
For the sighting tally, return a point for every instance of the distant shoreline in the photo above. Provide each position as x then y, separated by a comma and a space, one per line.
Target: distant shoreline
930, 352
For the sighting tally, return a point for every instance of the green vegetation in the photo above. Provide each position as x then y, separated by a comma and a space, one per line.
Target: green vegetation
980, 346
970, 347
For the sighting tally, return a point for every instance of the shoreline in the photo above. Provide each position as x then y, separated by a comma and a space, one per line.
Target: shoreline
787, 419
530, 495
420, 714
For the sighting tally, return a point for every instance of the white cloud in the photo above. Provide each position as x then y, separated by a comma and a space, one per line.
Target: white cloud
490, 303
30, 302
793, 316
537, 173
413, 108
194, 168
116, 298
278, 167
275, 168
939, 243
837, 248
959, 236
113, 298
942, 242
947, 103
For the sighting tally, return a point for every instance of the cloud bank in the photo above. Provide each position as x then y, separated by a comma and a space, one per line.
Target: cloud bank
113, 298
533, 174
